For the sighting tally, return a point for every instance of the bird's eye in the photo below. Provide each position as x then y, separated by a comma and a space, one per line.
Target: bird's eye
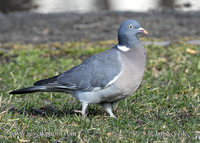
130, 26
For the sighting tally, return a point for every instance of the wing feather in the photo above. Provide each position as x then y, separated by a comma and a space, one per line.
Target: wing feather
96, 71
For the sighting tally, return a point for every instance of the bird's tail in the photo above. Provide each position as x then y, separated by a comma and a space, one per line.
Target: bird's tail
45, 85
31, 89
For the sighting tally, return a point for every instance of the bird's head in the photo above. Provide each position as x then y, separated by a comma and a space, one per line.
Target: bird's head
128, 31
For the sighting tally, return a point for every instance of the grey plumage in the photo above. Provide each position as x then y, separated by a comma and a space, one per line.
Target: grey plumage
104, 78
96, 71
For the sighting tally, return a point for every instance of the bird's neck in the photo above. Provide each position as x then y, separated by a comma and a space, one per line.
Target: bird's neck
128, 42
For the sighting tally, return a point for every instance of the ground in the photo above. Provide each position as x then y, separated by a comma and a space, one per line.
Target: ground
164, 108
65, 27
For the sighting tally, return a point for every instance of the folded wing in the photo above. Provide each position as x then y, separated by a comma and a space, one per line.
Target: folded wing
96, 71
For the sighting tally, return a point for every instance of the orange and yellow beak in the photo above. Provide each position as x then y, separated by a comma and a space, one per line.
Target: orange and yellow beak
143, 30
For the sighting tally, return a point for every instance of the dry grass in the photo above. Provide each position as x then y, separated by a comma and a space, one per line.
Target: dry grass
164, 108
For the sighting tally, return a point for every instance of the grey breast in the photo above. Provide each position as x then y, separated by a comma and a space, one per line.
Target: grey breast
133, 66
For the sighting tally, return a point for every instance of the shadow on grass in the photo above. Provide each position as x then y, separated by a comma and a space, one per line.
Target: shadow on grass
49, 110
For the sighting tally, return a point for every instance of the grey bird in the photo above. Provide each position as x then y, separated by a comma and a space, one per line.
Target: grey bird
104, 78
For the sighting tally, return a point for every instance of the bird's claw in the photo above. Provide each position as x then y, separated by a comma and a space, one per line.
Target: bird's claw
113, 117
81, 112
77, 111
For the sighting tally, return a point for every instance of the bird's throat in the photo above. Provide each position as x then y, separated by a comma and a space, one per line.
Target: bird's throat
128, 42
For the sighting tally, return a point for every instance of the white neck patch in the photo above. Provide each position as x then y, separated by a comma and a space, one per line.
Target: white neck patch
123, 48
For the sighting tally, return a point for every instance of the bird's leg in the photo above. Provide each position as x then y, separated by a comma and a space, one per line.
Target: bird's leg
83, 111
108, 108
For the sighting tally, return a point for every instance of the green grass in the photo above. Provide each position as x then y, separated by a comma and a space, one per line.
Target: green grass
164, 108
